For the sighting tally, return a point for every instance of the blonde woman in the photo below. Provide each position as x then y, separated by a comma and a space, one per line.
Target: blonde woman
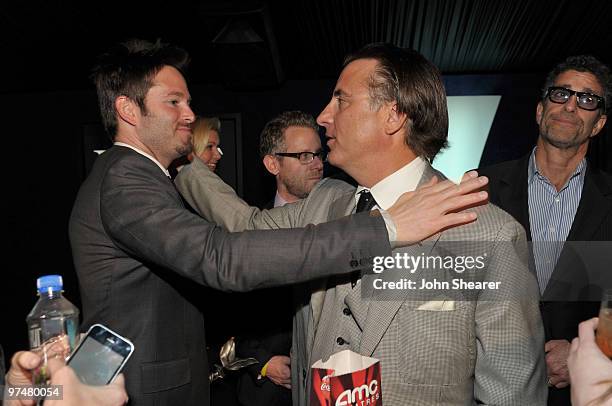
206, 141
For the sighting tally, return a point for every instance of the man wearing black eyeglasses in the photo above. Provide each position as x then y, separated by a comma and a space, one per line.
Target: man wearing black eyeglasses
290, 148
557, 196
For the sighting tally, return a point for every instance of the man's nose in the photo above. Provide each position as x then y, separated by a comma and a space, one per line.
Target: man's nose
571, 104
325, 118
188, 115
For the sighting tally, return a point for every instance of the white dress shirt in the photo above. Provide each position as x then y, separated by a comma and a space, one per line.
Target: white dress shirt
279, 201
387, 191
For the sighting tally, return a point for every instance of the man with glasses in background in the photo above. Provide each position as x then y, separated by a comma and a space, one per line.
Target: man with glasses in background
557, 196
290, 148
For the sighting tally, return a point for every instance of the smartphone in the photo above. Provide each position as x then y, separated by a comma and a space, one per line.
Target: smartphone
100, 356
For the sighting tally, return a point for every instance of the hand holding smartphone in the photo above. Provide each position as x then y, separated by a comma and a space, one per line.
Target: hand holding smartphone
100, 356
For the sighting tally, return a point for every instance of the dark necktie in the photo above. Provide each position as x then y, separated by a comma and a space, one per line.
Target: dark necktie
365, 203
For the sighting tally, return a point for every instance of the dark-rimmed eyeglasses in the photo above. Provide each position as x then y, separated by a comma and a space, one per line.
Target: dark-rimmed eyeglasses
584, 100
305, 157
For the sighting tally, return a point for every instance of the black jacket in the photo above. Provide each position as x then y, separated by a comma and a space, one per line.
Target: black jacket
569, 295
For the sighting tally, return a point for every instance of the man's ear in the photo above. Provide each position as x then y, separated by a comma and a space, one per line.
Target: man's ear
599, 125
539, 111
271, 164
395, 120
126, 110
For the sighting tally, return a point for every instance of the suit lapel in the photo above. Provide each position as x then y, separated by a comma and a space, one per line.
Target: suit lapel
595, 204
376, 314
513, 194
373, 315
343, 206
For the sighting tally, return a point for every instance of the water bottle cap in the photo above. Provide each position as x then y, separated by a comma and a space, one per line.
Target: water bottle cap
53, 283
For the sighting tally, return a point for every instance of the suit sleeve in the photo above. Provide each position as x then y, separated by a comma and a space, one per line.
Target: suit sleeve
510, 367
145, 217
217, 202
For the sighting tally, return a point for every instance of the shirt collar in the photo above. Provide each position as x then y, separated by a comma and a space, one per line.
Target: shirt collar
532, 170
387, 191
123, 144
279, 201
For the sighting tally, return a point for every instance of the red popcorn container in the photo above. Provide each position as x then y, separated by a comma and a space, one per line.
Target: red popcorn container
346, 379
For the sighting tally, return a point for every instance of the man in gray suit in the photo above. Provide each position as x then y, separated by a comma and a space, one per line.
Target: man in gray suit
140, 254
386, 121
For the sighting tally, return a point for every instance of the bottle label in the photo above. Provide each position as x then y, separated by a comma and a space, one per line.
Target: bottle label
71, 330
35, 337
50, 340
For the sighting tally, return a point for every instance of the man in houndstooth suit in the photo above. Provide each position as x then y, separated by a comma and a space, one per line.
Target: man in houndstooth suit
386, 121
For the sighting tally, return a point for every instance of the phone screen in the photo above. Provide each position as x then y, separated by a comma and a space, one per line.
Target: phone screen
99, 357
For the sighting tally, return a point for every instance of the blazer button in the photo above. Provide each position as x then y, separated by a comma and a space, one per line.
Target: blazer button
340, 341
354, 263
346, 311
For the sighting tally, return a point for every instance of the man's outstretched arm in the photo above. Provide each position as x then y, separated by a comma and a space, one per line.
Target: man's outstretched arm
415, 216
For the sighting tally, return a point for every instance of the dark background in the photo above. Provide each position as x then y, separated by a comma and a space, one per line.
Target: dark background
253, 59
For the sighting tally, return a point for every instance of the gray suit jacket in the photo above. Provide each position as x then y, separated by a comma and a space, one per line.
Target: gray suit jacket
139, 255
432, 351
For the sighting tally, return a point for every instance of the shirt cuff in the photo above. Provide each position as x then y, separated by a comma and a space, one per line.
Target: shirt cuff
391, 230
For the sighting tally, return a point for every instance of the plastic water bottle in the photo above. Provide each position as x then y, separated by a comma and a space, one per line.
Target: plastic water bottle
53, 324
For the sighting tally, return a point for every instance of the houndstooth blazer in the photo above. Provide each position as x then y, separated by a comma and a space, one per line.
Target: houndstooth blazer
432, 352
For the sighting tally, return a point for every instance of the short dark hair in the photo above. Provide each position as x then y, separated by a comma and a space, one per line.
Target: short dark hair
272, 138
406, 77
127, 70
583, 63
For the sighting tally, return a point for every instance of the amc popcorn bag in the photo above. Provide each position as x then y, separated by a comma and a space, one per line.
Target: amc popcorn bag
346, 379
